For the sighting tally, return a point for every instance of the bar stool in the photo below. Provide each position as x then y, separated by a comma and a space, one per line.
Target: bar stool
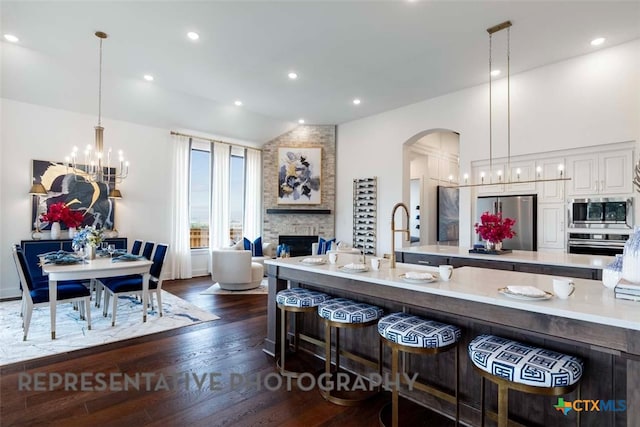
295, 300
413, 334
512, 365
342, 313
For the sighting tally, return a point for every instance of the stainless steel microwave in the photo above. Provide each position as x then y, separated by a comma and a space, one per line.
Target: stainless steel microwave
601, 213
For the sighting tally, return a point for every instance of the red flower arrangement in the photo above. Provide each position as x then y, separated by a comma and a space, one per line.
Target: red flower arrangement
60, 212
495, 229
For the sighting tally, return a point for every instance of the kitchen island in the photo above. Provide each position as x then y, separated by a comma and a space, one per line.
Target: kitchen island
592, 324
550, 263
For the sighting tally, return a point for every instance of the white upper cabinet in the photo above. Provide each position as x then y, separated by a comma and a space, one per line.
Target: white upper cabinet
602, 173
522, 171
550, 191
486, 175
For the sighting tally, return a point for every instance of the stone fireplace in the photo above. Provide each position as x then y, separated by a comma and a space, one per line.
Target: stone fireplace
305, 221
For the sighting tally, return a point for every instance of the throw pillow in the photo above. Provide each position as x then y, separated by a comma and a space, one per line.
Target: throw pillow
255, 247
324, 245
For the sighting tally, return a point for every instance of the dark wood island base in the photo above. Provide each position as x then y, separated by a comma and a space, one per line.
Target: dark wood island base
610, 348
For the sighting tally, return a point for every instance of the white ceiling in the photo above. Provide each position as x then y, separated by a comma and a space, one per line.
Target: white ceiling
387, 53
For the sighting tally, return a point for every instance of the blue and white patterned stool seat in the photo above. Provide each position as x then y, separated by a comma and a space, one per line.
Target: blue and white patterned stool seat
523, 363
343, 310
413, 331
300, 297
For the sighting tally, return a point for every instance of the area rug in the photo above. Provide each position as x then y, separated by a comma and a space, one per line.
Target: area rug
215, 290
72, 333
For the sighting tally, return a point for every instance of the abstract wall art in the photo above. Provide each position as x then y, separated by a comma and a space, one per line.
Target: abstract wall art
68, 185
299, 175
448, 214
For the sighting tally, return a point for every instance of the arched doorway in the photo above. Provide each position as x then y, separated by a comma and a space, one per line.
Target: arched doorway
431, 162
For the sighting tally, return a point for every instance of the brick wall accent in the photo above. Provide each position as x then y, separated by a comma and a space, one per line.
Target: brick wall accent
300, 224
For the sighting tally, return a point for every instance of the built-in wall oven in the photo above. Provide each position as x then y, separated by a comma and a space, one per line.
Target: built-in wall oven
601, 213
608, 244
603, 224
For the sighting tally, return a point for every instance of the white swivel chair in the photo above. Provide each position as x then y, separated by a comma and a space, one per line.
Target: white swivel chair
234, 271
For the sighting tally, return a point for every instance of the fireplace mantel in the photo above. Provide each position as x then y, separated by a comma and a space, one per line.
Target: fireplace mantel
299, 211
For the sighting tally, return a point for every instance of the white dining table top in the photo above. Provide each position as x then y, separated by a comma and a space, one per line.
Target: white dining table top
99, 267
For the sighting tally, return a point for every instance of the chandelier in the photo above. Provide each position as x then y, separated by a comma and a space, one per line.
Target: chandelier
95, 165
509, 177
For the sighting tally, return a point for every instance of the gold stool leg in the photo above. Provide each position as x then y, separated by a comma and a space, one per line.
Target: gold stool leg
481, 401
457, 390
327, 353
503, 405
394, 393
283, 339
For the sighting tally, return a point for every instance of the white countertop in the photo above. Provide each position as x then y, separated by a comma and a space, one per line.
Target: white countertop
531, 257
591, 301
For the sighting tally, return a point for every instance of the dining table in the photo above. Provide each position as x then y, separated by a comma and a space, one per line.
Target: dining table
93, 269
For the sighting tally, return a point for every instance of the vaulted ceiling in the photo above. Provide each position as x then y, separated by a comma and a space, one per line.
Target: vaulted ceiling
385, 53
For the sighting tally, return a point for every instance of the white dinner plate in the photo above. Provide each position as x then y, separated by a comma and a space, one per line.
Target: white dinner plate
507, 293
324, 261
353, 270
418, 281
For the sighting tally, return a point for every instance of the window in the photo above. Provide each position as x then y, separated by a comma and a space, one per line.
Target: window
199, 198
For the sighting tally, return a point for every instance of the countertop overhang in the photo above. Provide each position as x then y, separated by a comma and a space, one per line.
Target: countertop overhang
591, 302
562, 259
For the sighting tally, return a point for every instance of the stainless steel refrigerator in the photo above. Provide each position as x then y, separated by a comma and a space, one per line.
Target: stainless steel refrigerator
521, 208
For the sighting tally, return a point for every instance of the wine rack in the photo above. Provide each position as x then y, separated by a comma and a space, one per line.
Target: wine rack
365, 214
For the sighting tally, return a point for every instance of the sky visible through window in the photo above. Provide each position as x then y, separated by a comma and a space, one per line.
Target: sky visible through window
201, 188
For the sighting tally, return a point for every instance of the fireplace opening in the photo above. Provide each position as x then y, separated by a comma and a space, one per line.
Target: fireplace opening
300, 245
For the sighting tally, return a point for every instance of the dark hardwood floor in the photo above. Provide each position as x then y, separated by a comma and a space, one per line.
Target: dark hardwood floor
232, 344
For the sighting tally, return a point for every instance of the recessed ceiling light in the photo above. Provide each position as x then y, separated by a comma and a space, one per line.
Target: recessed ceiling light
301, 121
238, 103
11, 38
193, 35
598, 41
495, 73
356, 101
292, 75
148, 77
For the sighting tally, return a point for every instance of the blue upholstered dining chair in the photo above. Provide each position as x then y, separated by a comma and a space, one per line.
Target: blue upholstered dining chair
137, 245
148, 249
36, 283
37, 294
113, 286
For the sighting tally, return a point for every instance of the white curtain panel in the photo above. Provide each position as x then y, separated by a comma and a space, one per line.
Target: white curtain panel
180, 218
219, 223
252, 227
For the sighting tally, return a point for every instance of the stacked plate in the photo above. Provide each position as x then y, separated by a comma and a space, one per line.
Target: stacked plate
313, 261
529, 293
354, 268
417, 277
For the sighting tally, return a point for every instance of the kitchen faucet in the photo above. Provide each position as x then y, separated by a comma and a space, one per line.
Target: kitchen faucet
394, 231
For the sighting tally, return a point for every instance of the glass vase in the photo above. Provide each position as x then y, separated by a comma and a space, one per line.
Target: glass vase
493, 246
631, 258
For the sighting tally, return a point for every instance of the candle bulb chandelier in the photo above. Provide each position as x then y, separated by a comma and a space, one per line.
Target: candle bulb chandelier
508, 176
95, 165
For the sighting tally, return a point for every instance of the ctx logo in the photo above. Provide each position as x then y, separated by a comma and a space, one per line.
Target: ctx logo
590, 405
